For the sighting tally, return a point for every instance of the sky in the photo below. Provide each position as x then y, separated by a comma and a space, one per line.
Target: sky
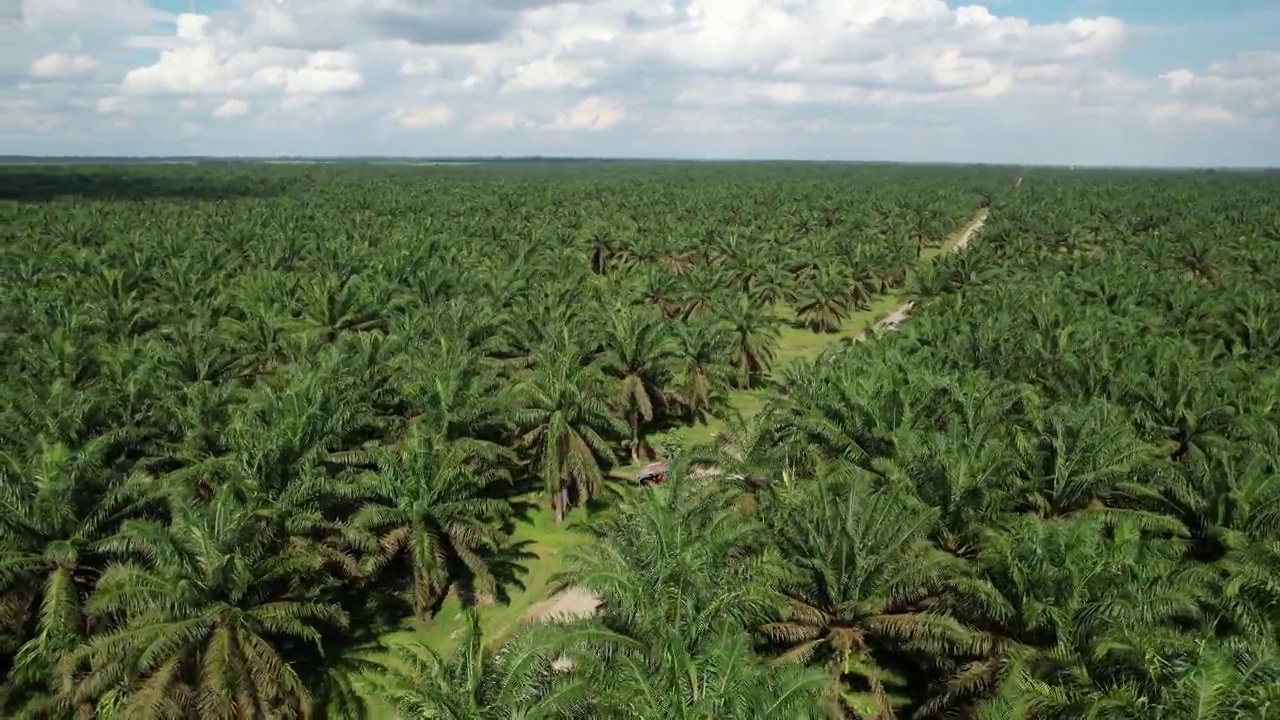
1063, 82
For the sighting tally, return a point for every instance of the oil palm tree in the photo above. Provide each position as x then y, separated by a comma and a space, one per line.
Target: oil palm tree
721, 679
1090, 613
753, 332
966, 480
566, 420
671, 640
1086, 458
199, 614
822, 302
438, 505
638, 353
518, 679
55, 508
865, 582
701, 372
1220, 680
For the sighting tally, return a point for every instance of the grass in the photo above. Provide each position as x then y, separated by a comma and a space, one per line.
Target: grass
794, 344
550, 542
547, 541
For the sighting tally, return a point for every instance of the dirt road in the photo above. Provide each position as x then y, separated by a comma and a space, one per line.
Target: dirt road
900, 314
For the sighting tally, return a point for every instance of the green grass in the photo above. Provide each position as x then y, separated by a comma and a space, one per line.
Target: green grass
548, 542
794, 344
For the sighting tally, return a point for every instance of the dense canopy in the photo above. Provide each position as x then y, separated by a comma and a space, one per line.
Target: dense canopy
259, 418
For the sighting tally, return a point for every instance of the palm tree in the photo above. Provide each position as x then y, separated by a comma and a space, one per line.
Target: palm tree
966, 480
454, 390
753, 332
565, 421
1090, 614
1085, 458
850, 415
721, 679
1182, 402
772, 284
638, 352
822, 300
333, 305
697, 291
700, 366
864, 582
517, 680
54, 510
1221, 681
199, 614
1224, 502
670, 641
711, 567
437, 504
747, 452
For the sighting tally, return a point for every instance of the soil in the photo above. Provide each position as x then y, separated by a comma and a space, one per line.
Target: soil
571, 604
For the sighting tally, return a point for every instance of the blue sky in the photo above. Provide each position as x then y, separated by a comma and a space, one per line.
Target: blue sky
1105, 82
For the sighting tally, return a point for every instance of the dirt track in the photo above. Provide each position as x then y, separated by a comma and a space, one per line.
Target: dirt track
903, 311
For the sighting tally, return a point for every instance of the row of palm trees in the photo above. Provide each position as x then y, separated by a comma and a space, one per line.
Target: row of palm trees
250, 428
1052, 496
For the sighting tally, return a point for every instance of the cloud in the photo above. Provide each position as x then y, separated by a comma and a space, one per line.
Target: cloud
422, 117
1248, 83
590, 113
1190, 113
231, 108
875, 79
333, 24
58, 65
202, 61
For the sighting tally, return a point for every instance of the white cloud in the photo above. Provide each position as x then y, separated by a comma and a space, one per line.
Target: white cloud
58, 65
590, 113
205, 61
109, 105
547, 74
231, 108
1189, 113
917, 79
1247, 84
422, 117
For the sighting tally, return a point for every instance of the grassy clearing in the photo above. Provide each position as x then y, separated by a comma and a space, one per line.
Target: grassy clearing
550, 542
794, 343
546, 541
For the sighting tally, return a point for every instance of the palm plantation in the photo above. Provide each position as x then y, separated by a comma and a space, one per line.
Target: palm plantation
262, 423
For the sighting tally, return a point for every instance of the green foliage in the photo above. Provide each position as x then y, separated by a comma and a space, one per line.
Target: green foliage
257, 417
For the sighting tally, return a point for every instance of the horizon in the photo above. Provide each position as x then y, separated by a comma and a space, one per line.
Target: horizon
445, 160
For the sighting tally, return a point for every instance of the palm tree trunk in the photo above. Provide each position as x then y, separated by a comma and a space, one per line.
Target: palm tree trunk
635, 436
558, 503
